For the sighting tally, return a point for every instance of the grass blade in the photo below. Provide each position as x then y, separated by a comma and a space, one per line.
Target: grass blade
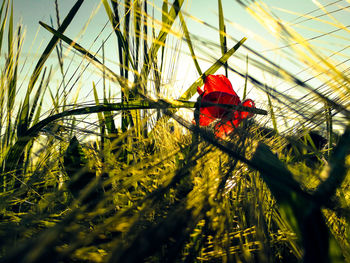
115, 21
99, 114
126, 38
37, 95
10, 38
245, 81
3, 24
23, 123
164, 22
272, 113
189, 42
222, 30
137, 35
122, 44
328, 112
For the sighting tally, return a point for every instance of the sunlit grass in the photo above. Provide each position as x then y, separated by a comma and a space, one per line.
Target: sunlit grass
131, 179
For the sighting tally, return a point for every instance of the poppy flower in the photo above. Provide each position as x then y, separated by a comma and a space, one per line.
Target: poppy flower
218, 90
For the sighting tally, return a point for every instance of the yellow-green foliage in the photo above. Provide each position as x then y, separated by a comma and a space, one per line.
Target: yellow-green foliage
147, 185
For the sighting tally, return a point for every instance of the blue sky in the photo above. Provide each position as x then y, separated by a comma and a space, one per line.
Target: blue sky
30, 12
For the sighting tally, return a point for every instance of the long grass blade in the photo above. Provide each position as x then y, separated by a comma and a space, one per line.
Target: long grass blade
122, 43
19, 146
12, 67
3, 21
99, 114
245, 81
164, 22
145, 34
137, 33
222, 31
189, 42
127, 14
329, 121
272, 113
23, 124
10, 33
115, 21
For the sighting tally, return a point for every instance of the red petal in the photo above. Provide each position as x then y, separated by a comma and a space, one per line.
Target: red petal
205, 117
247, 103
199, 90
224, 129
218, 90
219, 98
219, 83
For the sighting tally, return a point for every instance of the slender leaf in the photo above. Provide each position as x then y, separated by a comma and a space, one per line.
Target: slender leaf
222, 30
127, 13
164, 22
245, 81
272, 113
137, 35
99, 114
3, 23
23, 124
37, 95
10, 38
122, 44
115, 21
189, 42
329, 121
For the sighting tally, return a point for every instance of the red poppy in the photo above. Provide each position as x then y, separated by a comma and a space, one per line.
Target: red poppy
218, 89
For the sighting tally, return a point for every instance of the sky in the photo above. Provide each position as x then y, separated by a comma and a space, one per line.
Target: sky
90, 26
